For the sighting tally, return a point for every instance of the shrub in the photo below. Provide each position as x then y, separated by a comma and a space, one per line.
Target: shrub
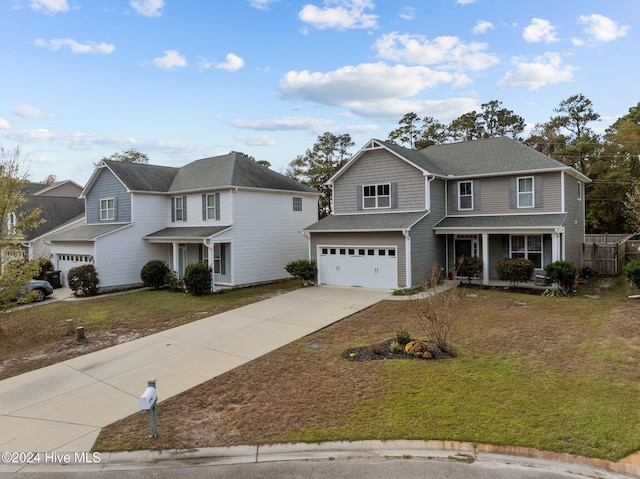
632, 270
154, 273
304, 269
377, 349
44, 265
394, 347
438, 315
83, 280
514, 270
419, 349
563, 274
197, 279
176, 285
470, 268
403, 336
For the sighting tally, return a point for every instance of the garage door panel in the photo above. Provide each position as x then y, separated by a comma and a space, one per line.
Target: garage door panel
368, 267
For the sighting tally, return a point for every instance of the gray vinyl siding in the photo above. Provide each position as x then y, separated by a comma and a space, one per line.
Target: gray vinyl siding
390, 238
495, 196
574, 224
375, 167
108, 186
427, 248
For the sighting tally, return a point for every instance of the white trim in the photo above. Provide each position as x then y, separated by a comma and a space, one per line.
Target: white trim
460, 196
563, 205
376, 196
532, 192
107, 209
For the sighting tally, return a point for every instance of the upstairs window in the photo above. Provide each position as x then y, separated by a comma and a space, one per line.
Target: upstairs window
179, 208
579, 191
525, 192
11, 223
465, 195
376, 196
297, 203
107, 209
211, 207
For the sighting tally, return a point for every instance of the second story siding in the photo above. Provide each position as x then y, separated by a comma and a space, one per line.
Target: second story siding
106, 188
496, 195
377, 167
201, 209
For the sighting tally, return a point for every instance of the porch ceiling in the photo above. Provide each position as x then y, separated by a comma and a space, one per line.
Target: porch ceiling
185, 233
495, 224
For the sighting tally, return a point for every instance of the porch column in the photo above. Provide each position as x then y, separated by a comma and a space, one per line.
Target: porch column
211, 248
174, 257
485, 258
555, 247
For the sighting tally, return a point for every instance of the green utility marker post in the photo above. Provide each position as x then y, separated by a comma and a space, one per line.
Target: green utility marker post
147, 402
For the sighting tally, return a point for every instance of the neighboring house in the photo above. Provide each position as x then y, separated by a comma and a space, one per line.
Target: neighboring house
230, 212
59, 205
398, 212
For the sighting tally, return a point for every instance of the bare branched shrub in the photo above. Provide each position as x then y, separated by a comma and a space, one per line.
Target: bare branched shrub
438, 314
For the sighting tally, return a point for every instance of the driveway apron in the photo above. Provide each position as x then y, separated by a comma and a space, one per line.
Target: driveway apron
62, 407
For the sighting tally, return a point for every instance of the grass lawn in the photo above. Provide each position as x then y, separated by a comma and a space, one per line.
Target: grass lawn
558, 374
35, 337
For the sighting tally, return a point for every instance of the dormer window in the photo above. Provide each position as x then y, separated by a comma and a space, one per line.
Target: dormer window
107, 209
376, 196
465, 195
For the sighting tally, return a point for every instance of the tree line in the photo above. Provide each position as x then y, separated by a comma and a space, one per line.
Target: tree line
611, 160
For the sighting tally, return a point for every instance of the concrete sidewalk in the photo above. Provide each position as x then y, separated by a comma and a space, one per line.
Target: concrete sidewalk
63, 407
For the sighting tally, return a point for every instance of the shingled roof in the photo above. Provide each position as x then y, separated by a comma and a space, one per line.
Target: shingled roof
232, 170
55, 210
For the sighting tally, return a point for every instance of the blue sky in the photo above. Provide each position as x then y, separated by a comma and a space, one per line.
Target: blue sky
186, 79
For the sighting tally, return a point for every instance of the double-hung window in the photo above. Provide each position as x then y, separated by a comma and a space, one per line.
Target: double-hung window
297, 203
527, 246
211, 207
465, 195
107, 209
178, 208
376, 196
525, 192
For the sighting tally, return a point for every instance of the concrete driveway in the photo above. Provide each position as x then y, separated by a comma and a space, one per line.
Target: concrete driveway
63, 407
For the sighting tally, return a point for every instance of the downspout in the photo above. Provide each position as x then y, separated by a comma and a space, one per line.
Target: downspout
407, 247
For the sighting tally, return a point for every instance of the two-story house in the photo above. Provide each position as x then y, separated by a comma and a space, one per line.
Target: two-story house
397, 212
230, 212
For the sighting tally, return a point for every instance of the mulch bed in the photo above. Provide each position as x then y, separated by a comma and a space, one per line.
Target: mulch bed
383, 351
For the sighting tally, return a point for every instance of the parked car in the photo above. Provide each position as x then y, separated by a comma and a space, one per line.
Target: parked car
41, 287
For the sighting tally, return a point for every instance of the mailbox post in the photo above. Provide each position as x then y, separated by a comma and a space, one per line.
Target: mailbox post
147, 402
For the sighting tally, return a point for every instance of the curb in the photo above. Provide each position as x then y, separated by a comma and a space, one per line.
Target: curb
399, 449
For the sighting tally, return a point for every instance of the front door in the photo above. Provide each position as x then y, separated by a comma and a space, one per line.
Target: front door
463, 248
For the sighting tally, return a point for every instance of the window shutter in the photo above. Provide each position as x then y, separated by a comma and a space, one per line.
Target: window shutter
223, 260
513, 192
173, 209
454, 190
200, 257
115, 208
184, 208
476, 194
217, 200
394, 195
359, 196
204, 207
537, 186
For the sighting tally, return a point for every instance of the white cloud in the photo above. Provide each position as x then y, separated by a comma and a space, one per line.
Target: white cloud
578, 42
4, 124
540, 31
29, 111
465, 2
261, 4
407, 13
233, 63
394, 108
148, 8
50, 7
601, 28
171, 59
56, 44
367, 81
546, 70
482, 26
448, 52
287, 123
256, 140
347, 14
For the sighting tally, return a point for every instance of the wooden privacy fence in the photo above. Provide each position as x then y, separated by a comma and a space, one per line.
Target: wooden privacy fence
608, 259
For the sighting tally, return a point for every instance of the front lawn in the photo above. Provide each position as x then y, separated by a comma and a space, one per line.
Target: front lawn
35, 337
558, 374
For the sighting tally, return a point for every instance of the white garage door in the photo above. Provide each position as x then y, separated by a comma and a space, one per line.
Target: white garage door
68, 261
365, 266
